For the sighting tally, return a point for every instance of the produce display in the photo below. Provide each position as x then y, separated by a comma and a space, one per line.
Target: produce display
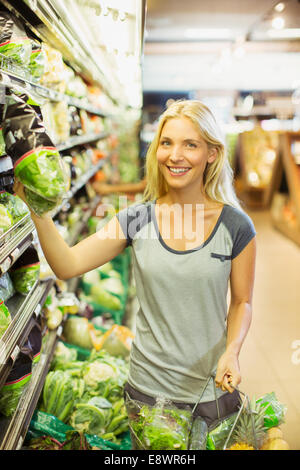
7, 289
88, 395
14, 205
14, 42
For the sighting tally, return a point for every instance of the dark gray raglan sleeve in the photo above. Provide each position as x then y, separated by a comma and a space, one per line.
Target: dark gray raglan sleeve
241, 228
132, 219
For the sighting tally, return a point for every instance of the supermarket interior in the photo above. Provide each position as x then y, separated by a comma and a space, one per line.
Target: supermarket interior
83, 84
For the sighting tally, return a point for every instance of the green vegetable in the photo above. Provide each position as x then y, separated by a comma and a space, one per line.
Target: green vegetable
96, 372
18, 50
63, 355
6, 219
39, 204
217, 437
2, 144
59, 394
76, 331
24, 278
104, 298
5, 318
162, 428
198, 436
37, 62
90, 418
16, 207
10, 395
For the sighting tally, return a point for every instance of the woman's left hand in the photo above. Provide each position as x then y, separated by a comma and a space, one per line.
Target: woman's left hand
228, 372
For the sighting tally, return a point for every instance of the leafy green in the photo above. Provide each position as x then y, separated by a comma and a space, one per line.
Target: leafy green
24, 278
39, 204
162, 427
5, 318
74, 441
6, 220
63, 355
15, 206
59, 394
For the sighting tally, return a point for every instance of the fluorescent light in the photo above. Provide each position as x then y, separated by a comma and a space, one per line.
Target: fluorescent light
279, 7
278, 22
211, 33
287, 33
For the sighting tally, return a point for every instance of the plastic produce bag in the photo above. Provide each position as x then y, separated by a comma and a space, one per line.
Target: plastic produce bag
6, 287
218, 436
6, 220
78, 331
274, 412
54, 72
5, 317
158, 427
2, 143
14, 43
37, 163
15, 206
198, 435
26, 270
117, 341
21, 372
37, 61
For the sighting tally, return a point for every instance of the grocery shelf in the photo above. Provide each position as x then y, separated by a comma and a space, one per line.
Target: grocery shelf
13, 431
15, 75
14, 242
23, 309
81, 140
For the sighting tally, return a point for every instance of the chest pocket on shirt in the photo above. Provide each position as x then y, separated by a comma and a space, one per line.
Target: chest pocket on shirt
220, 256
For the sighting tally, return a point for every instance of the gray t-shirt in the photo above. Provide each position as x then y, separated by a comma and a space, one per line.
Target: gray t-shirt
181, 324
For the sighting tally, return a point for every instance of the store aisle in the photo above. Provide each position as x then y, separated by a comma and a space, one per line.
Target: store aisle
268, 361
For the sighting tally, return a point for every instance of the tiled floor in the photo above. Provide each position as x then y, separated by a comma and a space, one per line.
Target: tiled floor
268, 360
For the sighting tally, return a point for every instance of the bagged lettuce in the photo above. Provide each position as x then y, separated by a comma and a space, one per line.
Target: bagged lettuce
37, 61
6, 287
26, 271
37, 163
16, 207
14, 43
5, 318
6, 219
2, 143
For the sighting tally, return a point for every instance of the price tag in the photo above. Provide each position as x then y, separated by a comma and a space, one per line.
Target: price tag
5, 265
15, 353
59, 330
20, 443
38, 310
14, 255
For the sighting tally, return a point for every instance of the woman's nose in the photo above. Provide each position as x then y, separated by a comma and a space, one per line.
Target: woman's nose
176, 154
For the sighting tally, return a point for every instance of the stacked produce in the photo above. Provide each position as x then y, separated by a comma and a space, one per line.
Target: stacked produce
88, 395
5, 318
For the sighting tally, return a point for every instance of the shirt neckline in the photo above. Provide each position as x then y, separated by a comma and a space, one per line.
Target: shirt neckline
183, 252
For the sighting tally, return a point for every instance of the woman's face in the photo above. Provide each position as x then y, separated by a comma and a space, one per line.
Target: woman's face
182, 154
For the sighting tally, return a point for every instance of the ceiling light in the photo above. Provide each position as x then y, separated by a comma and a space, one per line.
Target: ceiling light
279, 7
278, 22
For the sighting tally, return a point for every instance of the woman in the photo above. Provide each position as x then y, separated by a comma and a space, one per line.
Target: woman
189, 239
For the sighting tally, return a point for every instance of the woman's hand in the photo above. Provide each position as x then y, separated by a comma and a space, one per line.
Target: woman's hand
228, 372
19, 190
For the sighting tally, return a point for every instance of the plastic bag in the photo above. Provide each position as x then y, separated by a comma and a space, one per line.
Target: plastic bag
6, 287
218, 436
37, 163
14, 43
158, 427
6, 220
54, 72
2, 143
198, 435
16, 207
37, 61
117, 341
21, 372
275, 412
26, 271
5, 318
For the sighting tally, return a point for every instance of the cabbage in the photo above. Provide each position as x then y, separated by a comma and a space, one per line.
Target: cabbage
76, 331
104, 298
90, 417
98, 372
105, 268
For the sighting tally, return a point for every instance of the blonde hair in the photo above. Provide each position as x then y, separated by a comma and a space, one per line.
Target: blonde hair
218, 175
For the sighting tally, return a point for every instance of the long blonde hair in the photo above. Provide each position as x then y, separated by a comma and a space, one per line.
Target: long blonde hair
218, 175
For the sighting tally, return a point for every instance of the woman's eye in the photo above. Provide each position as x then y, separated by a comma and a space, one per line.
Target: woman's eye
191, 145
164, 143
